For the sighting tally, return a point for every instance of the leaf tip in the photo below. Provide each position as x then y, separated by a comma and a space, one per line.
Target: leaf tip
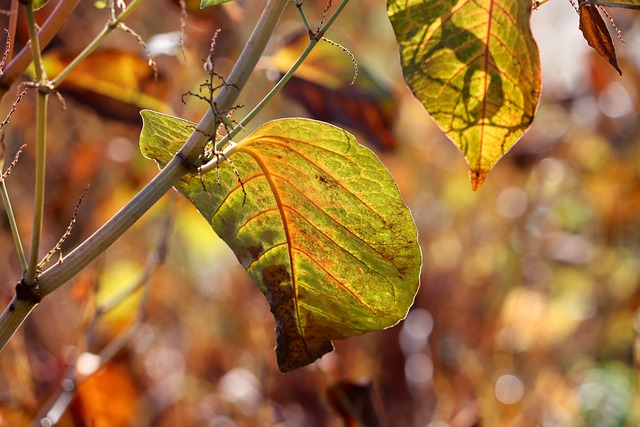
477, 177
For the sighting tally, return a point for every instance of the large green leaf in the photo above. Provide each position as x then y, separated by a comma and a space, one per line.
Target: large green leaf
630, 4
321, 230
475, 67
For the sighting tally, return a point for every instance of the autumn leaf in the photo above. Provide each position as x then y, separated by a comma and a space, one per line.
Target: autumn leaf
595, 31
116, 83
629, 4
334, 88
106, 398
475, 67
317, 222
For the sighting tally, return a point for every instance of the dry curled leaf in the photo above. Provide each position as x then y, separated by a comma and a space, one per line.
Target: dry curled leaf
595, 31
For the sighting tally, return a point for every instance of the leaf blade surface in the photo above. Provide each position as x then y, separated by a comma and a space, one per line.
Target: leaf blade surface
322, 231
475, 67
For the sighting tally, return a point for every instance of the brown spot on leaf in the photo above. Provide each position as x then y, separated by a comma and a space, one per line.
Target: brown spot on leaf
255, 250
326, 181
293, 350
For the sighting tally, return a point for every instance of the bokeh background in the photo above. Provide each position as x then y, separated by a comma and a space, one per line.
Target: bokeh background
527, 311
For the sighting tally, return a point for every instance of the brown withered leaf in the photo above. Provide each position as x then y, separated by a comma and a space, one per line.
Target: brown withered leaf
116, 83
325, 88
595, 31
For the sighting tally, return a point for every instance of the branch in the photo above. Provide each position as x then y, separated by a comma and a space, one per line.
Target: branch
182, 163
21, 61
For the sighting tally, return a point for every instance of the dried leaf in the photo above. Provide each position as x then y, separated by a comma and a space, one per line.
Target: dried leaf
628, 4
595, 31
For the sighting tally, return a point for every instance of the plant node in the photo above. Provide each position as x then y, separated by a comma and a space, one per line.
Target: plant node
26, 292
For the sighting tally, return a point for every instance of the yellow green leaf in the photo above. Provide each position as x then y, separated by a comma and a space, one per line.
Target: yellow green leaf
317, 222
210, 3
38, 4
475, 67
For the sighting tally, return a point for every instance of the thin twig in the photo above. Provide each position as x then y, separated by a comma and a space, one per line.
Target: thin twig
150, 59
67, 233
348, 52
7, 172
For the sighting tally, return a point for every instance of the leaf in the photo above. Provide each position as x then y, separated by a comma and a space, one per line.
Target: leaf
323, 231
210, 3
475, 66
39, 4
629, 4
595, 31
116, 83
106, 398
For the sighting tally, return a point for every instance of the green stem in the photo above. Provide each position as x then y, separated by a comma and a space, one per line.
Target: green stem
303, 16
41, 146
193, 147
251, 115
35, 43
331, 19
93, 45
38, 214
182, 162
14, 226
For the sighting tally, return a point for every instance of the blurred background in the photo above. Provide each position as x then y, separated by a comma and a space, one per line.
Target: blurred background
527, 311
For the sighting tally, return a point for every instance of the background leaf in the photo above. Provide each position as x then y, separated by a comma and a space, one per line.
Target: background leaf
475, 67
38, 4
115, 82
324, 85
209, 3
322, 229
629, 4
595, 31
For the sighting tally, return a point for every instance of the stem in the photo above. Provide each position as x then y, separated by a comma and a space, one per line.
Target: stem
238, 77
41, 146
93, 45
181, 163
50, 28
41, 162
35, 43
13, 25
253, 113
331, 19
303, 56
14, 226
303, 16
